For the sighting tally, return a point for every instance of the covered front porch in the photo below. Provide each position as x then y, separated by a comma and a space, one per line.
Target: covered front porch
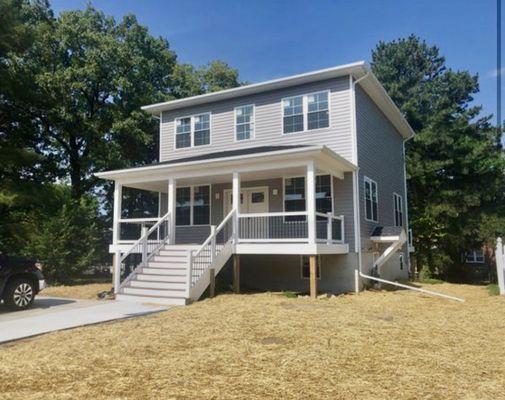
287, 201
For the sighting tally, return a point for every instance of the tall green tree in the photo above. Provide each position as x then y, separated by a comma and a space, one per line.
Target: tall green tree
455, 163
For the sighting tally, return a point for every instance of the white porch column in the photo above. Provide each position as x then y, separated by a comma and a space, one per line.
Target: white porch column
116, 216
236, 202
171, 209
310, 197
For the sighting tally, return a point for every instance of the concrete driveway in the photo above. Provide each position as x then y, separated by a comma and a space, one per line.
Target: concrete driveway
50, 314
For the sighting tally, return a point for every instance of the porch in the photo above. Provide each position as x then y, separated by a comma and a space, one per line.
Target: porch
282, 201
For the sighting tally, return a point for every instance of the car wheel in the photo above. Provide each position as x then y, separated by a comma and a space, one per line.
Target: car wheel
19, 294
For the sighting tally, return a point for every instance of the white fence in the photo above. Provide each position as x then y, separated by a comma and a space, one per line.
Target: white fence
500, 265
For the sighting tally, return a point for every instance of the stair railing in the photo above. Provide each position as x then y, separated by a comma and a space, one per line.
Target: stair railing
140, 252
202, 259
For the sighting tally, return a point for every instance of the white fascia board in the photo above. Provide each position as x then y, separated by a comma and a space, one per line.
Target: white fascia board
356, 69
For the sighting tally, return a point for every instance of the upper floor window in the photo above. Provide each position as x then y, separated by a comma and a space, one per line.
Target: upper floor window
475, 256
398, 207
371, 200
192, 131
244, 122
306, 112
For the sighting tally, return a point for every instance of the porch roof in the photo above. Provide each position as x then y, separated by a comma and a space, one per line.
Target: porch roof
260, 158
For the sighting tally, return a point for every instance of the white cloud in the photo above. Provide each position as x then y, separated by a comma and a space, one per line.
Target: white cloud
494, 73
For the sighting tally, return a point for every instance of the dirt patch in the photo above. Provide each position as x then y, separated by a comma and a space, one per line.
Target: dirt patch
380, 345
87, 292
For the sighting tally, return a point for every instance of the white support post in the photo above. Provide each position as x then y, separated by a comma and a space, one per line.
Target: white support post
117, 271
329, 228
143, 233
500, 265
118, 194
236, 203
171, 210
311, 201
212, 243
190, 274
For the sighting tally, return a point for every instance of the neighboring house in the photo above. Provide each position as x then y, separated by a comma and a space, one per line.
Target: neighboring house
477, 264
298, 182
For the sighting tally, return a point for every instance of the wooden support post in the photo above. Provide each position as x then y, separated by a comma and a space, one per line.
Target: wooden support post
212, 286
236, 273
313, 276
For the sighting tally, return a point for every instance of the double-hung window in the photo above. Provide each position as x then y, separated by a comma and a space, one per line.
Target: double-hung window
305, 112
244, 122
192, 205
371, 200
398, 207
475, 256
294, 196
192, 131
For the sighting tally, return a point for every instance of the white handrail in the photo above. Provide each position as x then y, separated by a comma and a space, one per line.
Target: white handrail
146, 235
137, 220
273, 214
213, 234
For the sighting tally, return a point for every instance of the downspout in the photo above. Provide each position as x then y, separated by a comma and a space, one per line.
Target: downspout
357, 213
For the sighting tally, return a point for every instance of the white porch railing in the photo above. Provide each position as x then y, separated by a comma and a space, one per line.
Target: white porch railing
213, 253
141, 251
131, 229
329, 228
289, 227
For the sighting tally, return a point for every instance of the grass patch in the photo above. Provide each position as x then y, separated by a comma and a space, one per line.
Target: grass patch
430, 281
493, 289
289, 295
86, 292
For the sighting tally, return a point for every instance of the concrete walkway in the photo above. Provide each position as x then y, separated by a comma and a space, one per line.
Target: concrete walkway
50, 314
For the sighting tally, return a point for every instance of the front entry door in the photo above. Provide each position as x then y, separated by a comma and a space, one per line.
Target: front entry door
252, 200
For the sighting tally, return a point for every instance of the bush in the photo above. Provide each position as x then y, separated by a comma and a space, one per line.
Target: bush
493, 289
66, 243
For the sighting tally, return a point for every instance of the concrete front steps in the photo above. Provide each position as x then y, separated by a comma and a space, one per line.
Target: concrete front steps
163, 280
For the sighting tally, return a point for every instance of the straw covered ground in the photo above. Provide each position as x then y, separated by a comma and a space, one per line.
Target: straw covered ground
375, 345
88, 291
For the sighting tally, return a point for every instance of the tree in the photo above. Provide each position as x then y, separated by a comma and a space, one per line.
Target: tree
91, 77
455, 162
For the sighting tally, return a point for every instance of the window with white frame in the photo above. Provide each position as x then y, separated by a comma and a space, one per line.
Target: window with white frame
305, 112
192, 205
475, 256
192, 131
244, 122
371, 200
398, 208
294, 195
305, 267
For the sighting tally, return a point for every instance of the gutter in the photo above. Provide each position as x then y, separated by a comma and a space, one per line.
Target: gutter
358, 227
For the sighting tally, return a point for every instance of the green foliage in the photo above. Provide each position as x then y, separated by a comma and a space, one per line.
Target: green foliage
455, 163
493, 289
66, 241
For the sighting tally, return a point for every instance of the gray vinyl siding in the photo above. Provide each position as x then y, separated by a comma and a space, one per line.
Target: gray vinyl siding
268, 122
380, 157
343, 205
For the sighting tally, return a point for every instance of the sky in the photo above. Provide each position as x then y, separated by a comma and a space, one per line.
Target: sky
271, 39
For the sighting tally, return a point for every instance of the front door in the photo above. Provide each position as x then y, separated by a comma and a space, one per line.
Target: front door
252, 200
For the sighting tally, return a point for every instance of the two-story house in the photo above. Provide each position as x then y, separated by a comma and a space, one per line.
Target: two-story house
298, 183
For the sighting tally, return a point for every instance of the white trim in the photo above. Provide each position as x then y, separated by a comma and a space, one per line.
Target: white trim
161, 136
370, 181
305, 112
318, 267
295, 248
474, 260
354, 131
252, 123
192, 130
192, 203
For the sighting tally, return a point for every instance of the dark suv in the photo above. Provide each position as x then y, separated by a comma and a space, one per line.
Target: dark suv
20, 281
